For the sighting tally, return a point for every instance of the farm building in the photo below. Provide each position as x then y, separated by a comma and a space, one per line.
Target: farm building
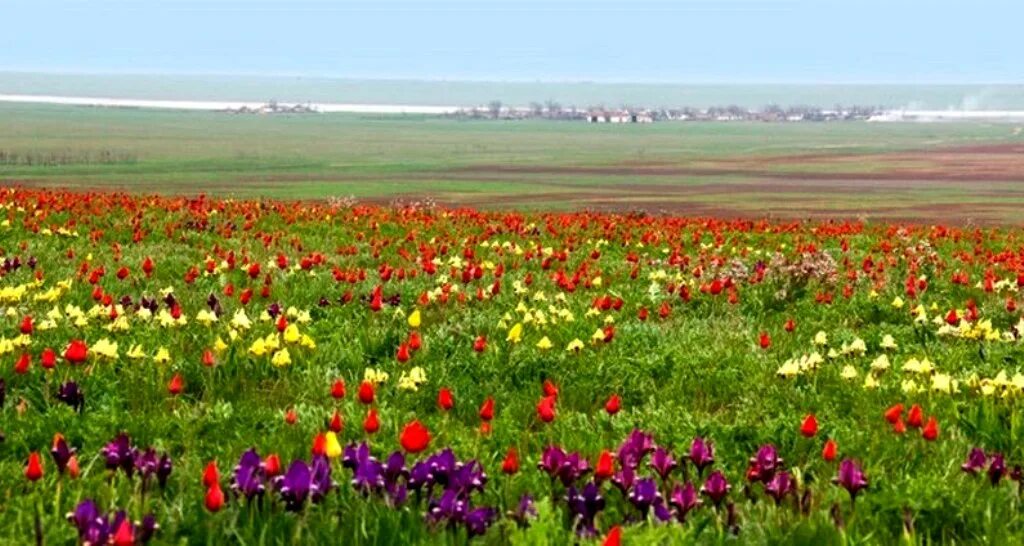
620, 116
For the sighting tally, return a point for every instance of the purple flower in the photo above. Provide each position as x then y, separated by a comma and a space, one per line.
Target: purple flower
764, 463
644, 495
662, 462
551, 460
61, 453
479, 520
249, 475
779, 486
624, 479
997, 468
146, 462
448, 507
702, 453
716, 487
294, 485
976, 461
636, 446
120, 454
850, 477
85, 517
584, 506
320, 483
70, 394
163, 470
524, 512
684, 498
572, 468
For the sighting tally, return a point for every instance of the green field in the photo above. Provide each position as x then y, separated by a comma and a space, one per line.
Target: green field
695, 168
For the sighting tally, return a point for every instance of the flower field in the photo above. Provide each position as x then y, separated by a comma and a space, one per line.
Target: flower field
195, 370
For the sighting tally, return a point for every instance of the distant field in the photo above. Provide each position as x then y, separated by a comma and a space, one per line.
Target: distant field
947, 172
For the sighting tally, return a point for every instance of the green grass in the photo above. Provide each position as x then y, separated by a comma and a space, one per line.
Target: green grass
383, 157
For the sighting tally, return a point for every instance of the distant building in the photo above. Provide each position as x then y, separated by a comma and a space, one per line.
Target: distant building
620, 116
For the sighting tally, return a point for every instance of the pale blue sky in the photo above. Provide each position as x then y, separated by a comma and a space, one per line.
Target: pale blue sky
892, 41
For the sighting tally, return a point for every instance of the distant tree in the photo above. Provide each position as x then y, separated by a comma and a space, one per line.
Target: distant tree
536, 109
494, 108
554, 109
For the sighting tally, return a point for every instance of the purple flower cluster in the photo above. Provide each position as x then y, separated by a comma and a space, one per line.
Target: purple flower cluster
96, 528
977, 460
120, 454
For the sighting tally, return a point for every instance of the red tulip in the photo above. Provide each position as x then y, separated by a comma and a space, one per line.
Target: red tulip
26, 325
605, 466
445, 401
487, 409
894, 413
403, 353
124, 535
76, 352
34, 468
829, 451
915, 417
22, 364
511, 463
147, 266
485, 428
210, 474
931, 430
550, 389
338, 389
272, 465
810, 426
415, 341
336, 423
208, 359
546, 409
214, 498
372, 423
898, 427
176, 385
479, 344
319, 444
48, 359
613, 405
290, 416
366, 394
614, 537
73, 469
765, 340
415, 437
790, 325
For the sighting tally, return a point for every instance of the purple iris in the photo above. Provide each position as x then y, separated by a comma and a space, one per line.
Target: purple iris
976, 461
294, 485
584, 505
716, 487
766, 462
146, 463
702, 453
572, 468
636, 446
551, 460
120, 454
249, 475
61, 454
644, 495
997, 468
779, 486
320, 478
624, 479
478, 520
524, 512
70, 394
662, 462
851, 477
164, 469
684, 499
449, 507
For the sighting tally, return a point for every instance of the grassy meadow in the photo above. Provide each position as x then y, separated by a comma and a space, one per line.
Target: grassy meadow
528, 164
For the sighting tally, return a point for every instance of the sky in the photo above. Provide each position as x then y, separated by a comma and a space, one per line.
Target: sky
682, 41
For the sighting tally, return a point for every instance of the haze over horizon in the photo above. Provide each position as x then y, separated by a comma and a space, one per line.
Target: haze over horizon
648, 41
